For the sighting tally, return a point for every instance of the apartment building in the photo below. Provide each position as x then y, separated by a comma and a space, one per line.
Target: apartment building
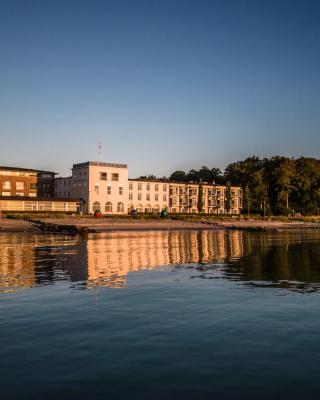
106, 187
99, 186
184, 198
26, 182
150, 196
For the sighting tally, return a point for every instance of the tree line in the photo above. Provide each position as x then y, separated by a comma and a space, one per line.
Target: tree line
271, 186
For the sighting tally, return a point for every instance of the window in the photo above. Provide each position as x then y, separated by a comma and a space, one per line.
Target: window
32, 194
148, 197
148, 186
103, 176
19, 185
139, 196
96, 206
19, 194
156, 187
130, 186
114, 177
139, 186
6, 194
33, 186
120, 190
108, 206
164, 197
96, 188
130, 196
7, 185
164, 188
109, 189
156, 197
120, 207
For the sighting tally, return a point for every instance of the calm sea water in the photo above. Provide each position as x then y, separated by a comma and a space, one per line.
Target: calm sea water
160, 315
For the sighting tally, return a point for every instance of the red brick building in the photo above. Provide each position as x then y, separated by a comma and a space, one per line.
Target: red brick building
24, 182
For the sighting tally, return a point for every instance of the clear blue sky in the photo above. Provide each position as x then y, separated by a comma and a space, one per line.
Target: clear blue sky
164, 85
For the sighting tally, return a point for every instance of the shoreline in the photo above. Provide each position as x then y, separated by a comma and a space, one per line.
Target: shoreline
94, 225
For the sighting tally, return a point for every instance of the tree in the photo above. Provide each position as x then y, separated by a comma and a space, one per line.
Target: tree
204, 174
178, 176
192, 176
217, 176
247, 199
276, 185
200, 200
148, 177
228, 197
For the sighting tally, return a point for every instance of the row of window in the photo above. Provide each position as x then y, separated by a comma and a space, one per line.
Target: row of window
148, 187
104, 176
195, 211
194, 192
107, 207
120, 208
17, 173
65, 194
148, 197
19, 194
20, 185
97, 189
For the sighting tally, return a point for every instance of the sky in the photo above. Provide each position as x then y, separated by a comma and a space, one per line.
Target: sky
164, 85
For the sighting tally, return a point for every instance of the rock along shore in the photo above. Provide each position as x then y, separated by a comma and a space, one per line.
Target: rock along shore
75, 225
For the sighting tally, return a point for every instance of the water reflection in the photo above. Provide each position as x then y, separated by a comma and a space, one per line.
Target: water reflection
288, 259
111, 258
284, 260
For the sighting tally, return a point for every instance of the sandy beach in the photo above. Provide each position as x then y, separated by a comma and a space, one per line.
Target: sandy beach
122, 224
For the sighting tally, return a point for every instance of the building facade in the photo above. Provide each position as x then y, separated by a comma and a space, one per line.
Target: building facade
149, 196
24, 189
184, 198
106, 187
24, 182
99, 186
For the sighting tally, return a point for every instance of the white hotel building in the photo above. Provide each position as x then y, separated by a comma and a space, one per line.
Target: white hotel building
106, 187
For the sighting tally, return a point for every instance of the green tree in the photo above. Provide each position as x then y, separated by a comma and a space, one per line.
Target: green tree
247, 199
228, 197
178, 176
200, 200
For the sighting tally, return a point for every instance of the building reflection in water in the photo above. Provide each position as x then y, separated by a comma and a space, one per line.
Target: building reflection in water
16, 263
112, 256
106, 259
284, 259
